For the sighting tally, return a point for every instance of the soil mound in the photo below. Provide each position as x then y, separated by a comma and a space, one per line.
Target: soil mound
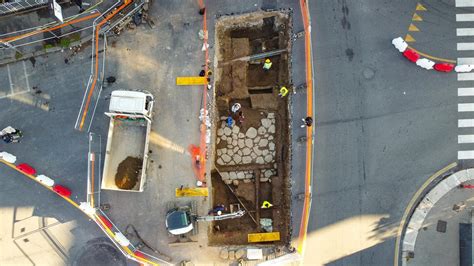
128, 172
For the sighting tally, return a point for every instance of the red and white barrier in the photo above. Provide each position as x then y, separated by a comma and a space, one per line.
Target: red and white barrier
87, 208
106, 221
400, 44
62, 191
7, 157
444, 67
26, 169
411, 55
425, 63
121, 239
47, 181
464, 68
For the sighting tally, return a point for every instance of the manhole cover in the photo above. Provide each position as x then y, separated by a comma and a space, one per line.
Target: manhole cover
441, 226
99, 251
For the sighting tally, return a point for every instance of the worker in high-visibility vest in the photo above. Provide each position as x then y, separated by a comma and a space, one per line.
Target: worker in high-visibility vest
267, 65
266, 205
283, 92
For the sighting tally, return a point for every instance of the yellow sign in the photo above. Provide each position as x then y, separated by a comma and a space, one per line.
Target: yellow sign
263, 237
184, 81
192, 192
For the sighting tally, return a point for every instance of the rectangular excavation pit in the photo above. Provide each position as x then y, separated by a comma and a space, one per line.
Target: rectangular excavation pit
251, 156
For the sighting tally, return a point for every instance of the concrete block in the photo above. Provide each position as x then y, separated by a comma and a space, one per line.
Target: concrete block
470, 173
464, 175
425, 205
408, 247
409, 239
416, 220
437, 192
452, 181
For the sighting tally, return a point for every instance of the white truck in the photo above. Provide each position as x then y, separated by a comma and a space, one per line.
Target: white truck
126, 155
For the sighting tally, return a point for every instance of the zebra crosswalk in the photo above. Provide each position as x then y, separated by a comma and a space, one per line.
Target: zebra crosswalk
465, 34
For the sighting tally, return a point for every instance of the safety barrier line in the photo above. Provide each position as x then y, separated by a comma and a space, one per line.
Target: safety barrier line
203, 147
130, 254
13, 166
97, 30
309, 130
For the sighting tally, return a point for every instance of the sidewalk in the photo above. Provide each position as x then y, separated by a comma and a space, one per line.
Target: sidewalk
432, 232
442, 248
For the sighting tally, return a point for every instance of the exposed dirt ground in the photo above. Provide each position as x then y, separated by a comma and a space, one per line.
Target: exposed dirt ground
128, 172
243, 81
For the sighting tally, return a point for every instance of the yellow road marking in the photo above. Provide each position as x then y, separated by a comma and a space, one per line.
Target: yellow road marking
413, 28
433, 57
409, 38
420, 7
416, 17
412, 202
192, 192
183, 81
263, 237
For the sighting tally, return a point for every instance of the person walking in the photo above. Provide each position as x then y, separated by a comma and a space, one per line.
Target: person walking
283, 92
267, 65
307, 122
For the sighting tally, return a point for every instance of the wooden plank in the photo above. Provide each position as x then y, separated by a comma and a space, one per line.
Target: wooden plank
184, 81
192, 192
263, 237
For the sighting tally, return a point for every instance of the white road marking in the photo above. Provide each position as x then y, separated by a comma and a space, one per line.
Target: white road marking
464, 3
10, 78
465, 91
465, 122
465, 17
465, 76
13, 94
465, 107
465, 46
26, 76
464, 31
465, 60
463, 155
465, 138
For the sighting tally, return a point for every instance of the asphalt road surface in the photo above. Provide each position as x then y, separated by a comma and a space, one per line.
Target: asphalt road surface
383, 127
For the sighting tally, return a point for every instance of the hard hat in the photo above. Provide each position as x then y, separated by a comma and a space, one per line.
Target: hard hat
219, 212
267, 60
